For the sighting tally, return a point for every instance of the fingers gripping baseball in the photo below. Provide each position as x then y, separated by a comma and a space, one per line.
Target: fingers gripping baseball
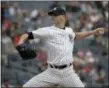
99, 31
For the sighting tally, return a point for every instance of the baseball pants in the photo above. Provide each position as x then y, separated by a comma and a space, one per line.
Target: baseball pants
50, 77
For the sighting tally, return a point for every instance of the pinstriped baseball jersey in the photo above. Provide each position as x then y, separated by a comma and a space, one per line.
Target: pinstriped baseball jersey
58, 43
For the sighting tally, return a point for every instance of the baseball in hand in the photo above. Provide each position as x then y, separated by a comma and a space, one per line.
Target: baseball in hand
101, 32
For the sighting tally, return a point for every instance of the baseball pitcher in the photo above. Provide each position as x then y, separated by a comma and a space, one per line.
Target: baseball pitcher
58, 43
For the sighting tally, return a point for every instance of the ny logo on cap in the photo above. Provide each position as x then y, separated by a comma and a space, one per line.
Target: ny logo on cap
54, 9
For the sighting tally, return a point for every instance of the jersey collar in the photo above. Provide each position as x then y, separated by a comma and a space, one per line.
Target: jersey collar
59, 28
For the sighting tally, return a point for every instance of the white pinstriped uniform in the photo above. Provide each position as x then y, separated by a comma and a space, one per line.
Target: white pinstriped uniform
58, 44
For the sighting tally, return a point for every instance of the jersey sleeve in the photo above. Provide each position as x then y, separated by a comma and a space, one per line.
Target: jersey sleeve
40, 33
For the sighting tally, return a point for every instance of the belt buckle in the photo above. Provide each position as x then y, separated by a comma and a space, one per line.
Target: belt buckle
53, 66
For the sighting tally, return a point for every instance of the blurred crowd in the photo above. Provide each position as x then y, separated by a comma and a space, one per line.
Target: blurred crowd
89, 54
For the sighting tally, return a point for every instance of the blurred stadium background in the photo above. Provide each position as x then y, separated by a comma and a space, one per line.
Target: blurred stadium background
90, 54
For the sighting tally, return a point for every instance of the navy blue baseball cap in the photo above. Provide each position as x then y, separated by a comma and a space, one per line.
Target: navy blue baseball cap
56, 11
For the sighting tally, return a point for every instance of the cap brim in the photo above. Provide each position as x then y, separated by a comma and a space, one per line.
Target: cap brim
52, 13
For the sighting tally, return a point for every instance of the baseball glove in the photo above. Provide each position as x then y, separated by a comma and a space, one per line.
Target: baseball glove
26, 51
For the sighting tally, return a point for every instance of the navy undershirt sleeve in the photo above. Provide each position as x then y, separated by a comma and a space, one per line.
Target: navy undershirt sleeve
30, 35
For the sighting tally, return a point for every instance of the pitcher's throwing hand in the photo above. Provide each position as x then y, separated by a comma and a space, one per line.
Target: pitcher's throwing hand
99, 31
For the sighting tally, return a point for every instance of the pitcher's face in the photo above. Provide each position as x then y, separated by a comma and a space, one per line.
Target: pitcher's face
59, 19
